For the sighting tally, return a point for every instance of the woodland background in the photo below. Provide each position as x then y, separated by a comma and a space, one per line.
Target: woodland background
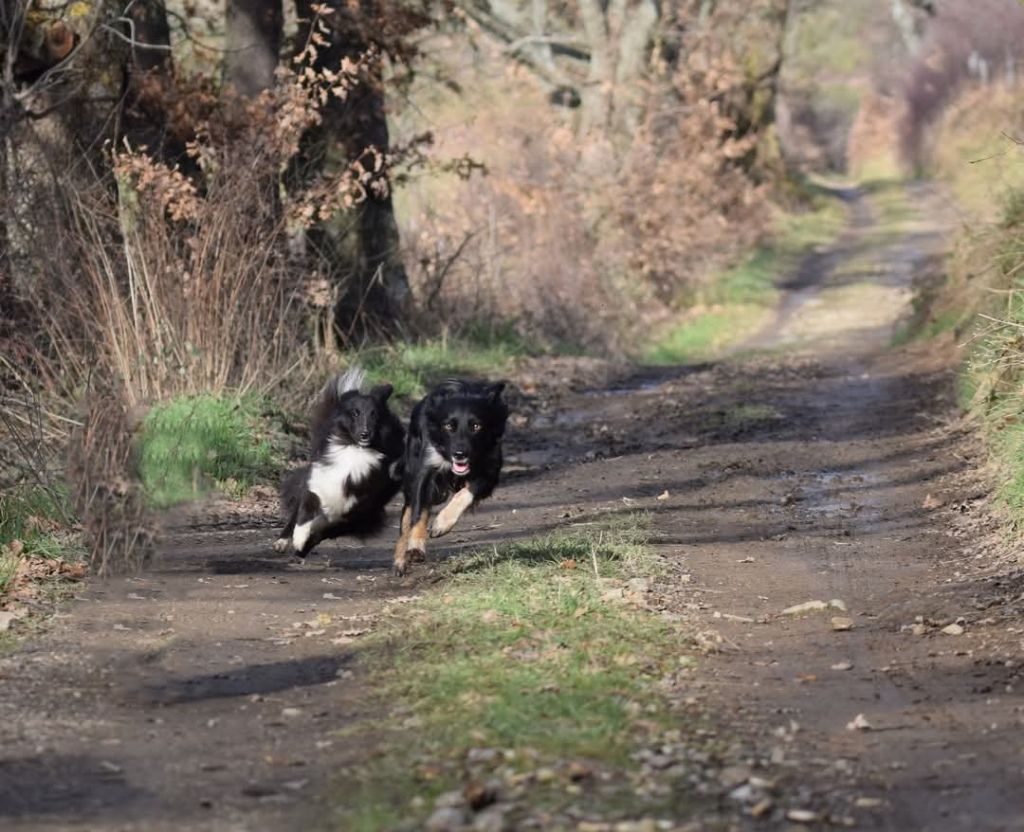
230, 199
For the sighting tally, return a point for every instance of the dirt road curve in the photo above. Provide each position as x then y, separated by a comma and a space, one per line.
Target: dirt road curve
203, 694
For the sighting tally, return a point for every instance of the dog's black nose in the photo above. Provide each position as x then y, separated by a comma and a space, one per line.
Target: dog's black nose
459, 456
364, 434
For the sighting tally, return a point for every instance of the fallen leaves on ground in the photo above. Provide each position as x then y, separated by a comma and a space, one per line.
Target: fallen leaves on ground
32, 572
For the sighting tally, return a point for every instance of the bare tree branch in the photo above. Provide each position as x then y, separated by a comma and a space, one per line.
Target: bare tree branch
575, 44
506, 32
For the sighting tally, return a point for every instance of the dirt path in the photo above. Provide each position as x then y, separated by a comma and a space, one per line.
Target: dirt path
205, 694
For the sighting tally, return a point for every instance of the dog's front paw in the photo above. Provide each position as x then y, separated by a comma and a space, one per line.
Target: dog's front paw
282, 544
450, 514
443, 523
400, 567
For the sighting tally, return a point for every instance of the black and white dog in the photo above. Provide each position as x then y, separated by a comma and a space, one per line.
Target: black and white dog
354, 469
453, 450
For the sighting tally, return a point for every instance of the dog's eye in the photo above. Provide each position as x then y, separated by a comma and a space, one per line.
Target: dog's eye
450, 427
356, 413
475, 427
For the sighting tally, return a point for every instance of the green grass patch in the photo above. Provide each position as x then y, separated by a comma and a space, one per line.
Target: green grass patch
707, 334
412, 367
193, 444
879, 168
828, 41
41, 518
737, 303
529, 650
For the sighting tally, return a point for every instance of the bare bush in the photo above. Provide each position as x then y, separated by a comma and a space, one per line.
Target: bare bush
178, 287
686, 197
108, 496
578, 238
513, 247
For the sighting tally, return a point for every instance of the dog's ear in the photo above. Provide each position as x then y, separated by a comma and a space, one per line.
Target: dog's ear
493, 391
382, 392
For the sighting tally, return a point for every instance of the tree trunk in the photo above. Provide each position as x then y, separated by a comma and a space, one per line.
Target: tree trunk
539, 22
633, 52
373, 285
10, 20
254, 29
596, 106
619, 36
152, 35
44, 125
383, 282
6, 278
149, 77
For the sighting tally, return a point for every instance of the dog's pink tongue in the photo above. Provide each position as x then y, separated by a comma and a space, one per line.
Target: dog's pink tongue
460, 467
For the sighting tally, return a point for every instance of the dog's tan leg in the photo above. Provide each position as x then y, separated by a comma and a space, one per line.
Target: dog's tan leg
451, 513
401, 564
417, 548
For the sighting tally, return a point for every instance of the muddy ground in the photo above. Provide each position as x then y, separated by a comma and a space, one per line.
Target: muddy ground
822, 466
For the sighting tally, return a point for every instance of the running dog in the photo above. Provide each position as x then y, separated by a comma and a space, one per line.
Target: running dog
453, 450
354, 469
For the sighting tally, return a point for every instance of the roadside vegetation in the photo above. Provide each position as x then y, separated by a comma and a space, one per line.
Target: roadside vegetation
978, 301
538, 671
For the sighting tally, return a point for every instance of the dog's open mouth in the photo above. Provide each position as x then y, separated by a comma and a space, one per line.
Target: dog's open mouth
460, 468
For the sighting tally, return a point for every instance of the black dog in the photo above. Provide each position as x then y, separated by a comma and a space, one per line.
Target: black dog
453, 450
354, 470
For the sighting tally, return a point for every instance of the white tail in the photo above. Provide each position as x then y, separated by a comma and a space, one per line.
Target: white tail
351, 379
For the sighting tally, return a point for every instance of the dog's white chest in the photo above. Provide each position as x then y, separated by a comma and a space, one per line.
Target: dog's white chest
332, 476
